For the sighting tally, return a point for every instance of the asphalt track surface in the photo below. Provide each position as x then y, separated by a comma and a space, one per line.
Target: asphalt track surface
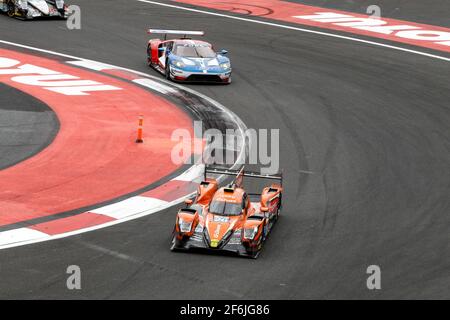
365, 145
27, 126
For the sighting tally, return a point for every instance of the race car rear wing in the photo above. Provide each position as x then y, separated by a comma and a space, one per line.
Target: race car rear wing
241, 173
178, 32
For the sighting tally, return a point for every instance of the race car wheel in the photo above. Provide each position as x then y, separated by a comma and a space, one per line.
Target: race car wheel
62, 13
167, 71
11, 8
149, 58
173, 247
279, 208
265, 231
253, 252
277, 215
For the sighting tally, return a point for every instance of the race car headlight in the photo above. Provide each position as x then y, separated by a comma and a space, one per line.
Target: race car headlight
236, 237
179, 64
23, 4
225, 65
227, 236
185, 226
59, 4
250, 233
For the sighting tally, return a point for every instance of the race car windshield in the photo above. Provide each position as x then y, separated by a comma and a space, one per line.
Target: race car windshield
225, 208
191, 51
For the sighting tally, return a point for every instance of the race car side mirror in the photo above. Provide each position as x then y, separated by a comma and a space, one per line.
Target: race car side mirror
223, 52
264, 209
188, 202
161, 49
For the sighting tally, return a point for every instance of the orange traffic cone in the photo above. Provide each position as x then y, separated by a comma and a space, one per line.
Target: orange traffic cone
140, 131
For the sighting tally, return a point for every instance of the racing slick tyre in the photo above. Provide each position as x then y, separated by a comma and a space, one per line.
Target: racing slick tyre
266, 231
167, 73
10, 9
254, 254
176, 244
173, 247
255, 251
149, 59
279, 208
63, 14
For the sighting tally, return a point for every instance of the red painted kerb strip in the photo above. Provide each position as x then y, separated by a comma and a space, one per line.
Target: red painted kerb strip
94, 157
422, 35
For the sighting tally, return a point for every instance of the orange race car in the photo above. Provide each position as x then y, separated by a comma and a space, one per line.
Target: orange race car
228, 218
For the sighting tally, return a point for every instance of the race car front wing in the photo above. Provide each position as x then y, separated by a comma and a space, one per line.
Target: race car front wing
200, 241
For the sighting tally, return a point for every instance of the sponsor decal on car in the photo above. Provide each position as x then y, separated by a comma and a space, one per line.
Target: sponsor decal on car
221, 219
217, 231
214, 243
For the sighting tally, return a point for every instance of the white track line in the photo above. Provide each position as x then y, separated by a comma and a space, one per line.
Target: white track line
130, 207
30, 237
297, 29
17, 236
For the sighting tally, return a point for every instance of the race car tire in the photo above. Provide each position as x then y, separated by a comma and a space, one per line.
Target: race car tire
11, 9
254, 252
279, 208
266, 231
173, 247
62, 13
277, 215
167, 73
149, 58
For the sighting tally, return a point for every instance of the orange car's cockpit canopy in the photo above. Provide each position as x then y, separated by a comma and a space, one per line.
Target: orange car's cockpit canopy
227, 202
225, 208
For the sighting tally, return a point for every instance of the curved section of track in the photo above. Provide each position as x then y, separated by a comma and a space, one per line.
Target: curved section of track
22, 225
94, 157
365, 145
27, 126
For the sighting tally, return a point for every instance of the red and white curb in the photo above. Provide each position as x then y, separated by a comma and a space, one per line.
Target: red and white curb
421, 35
165, 196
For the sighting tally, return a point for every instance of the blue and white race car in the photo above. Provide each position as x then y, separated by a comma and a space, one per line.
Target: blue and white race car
184, 59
